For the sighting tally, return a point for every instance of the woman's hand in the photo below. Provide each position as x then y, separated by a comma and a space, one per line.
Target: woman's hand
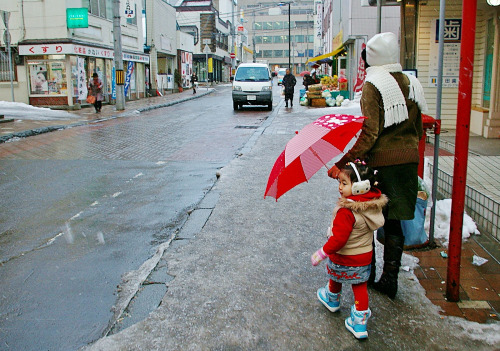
334, 172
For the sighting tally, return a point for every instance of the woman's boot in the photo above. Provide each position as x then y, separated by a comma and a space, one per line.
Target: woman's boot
393, 250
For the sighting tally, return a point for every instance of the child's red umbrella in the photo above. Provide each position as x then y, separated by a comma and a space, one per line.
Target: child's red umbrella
312, 148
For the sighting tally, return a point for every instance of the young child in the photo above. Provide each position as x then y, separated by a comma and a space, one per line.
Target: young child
349, 247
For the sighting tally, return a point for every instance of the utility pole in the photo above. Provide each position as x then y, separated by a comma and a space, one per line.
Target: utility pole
6, 36
233, 60
289, 39
120, 76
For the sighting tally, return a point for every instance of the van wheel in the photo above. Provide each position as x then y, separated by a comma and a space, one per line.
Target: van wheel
270, 106
235, 105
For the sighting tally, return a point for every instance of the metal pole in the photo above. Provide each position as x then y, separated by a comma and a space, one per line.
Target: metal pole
233, 60
437, 130
289, 39
117, 34
5, 17
379, 16
469, 9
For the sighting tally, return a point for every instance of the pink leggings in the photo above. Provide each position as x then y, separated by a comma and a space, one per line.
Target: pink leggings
360, 293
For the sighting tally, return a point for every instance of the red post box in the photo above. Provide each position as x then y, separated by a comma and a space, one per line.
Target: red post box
428, 122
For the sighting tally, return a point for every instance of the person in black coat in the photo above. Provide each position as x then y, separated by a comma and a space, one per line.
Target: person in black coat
194, 82
289, 82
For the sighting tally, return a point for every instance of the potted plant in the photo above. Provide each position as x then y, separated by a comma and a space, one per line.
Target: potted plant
178, 79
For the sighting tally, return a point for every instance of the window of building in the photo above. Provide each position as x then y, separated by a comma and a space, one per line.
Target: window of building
267, 53
101, 8
268, 25
310, 38
47, 77
299, 39
488, 63
278, 53
277, 39
267, 39
258, 39
4, 67
257, 26
258, 54
277, 25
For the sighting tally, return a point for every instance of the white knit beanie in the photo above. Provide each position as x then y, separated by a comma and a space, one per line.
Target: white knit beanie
382, 49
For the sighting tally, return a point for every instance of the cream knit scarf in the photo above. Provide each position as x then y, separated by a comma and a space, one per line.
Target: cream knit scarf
394, 102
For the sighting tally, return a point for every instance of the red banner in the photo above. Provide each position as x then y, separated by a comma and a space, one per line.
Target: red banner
360, 78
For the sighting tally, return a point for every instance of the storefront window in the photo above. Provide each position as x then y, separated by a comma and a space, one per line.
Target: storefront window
47, 77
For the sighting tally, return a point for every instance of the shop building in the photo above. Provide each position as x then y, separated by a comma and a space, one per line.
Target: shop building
347, 26
211, 60
53, 62
161, 43
269, 35
485, 111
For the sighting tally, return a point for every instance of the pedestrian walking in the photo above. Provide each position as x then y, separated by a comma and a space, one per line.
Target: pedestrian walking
349, 247
95, 89
393, 103
289, 82
194, 82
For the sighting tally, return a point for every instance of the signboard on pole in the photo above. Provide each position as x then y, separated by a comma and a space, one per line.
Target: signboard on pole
129, 10
451, 54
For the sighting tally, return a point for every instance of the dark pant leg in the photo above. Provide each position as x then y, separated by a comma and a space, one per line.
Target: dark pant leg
393, 251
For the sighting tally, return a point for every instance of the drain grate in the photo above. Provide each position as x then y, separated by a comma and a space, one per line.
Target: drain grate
246, 127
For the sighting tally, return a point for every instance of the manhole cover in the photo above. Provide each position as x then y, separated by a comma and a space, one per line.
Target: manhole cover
246, 127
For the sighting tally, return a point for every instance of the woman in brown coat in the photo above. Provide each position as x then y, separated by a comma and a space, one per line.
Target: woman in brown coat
393, 102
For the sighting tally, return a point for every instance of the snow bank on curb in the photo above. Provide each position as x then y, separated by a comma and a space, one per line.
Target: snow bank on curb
20, 110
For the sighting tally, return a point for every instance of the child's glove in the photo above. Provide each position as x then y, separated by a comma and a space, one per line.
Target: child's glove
318, 256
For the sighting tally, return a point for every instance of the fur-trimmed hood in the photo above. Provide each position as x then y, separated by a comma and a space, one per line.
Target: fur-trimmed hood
370, 210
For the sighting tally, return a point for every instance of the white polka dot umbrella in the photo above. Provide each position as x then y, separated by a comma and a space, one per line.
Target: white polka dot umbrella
312, 148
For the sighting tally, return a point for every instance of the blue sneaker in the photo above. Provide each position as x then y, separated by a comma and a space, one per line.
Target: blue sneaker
356, 323
329, 299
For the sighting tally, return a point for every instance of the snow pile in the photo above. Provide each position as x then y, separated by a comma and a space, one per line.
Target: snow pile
442, 222
20, 110
443, 215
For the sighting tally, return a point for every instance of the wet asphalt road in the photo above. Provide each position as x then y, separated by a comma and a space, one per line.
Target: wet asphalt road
82, 206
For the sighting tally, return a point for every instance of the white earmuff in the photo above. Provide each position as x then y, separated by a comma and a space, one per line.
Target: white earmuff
360, 187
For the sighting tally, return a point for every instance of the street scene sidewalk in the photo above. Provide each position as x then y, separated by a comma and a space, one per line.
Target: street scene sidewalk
28, 127
244, 279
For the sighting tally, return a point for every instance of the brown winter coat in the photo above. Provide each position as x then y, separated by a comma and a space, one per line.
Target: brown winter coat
394, 145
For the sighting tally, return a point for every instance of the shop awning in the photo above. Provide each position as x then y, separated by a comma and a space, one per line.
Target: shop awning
330, 54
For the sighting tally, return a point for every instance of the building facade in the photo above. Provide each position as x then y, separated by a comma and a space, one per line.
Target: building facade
211, 31
53, 63
281, 34
485, 112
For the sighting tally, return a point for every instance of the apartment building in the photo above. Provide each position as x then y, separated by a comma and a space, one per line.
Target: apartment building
281, 34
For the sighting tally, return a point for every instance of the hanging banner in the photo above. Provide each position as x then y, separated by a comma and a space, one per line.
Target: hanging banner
113, 83
210, 65
130, 70
360, 78
81, 78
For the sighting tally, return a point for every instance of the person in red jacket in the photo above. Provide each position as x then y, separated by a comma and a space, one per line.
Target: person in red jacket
349, 247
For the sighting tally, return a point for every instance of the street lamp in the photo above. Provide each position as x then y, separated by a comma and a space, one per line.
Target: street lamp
283, 3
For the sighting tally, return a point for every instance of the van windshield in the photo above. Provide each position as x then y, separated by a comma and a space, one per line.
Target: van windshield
252, 74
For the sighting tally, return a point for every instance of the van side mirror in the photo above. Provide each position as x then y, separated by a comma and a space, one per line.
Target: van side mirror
231, 78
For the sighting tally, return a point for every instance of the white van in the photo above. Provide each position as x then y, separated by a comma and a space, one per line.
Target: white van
252, 85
